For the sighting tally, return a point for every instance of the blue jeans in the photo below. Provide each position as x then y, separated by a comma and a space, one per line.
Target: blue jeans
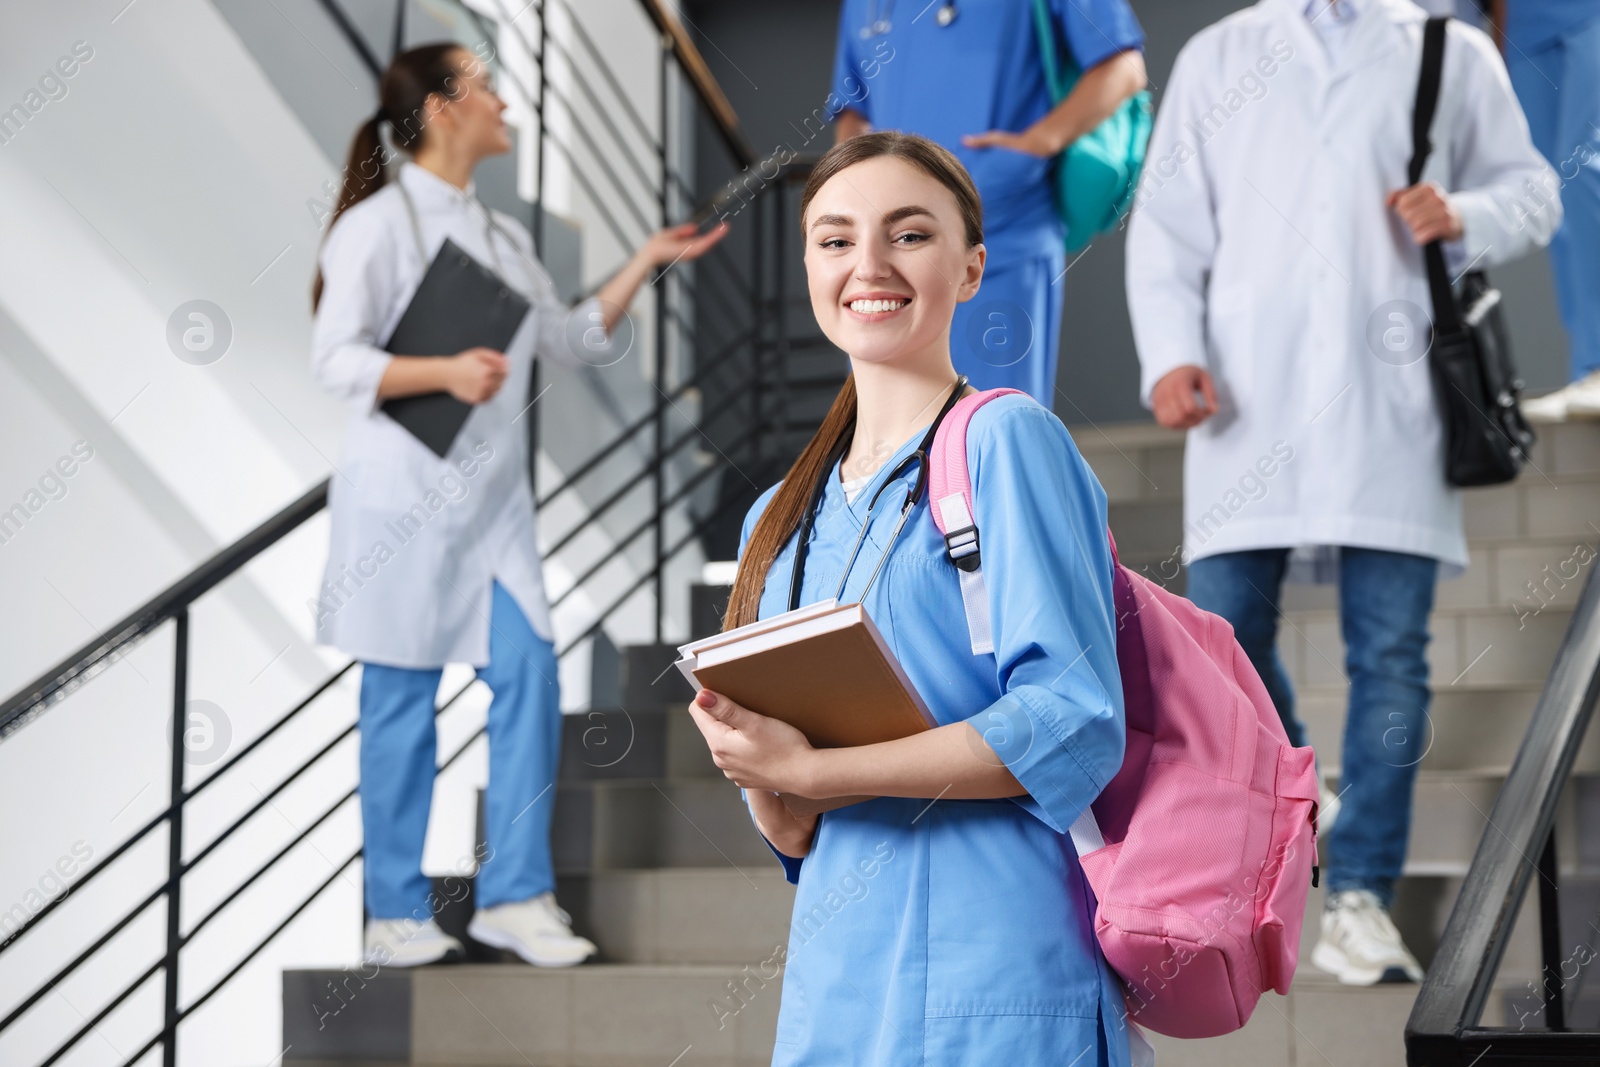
398, 749
1384, 602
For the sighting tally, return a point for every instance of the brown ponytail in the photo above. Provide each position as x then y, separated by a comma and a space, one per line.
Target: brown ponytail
403, 93
783, 513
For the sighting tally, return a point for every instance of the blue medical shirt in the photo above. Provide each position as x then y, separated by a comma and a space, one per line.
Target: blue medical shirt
962, 931
981, 72
1533, 24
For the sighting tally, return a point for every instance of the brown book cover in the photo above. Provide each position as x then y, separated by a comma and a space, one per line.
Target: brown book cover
832, 677
824, 669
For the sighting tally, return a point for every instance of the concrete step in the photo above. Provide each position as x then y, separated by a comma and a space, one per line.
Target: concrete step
1319, 1024
1475, 730
630, 824
1450, 811
687, 915
595, 1015
1143, 461
1471, 647
673, 1000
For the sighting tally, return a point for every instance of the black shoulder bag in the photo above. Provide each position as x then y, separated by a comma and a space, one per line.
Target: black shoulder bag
1486, 438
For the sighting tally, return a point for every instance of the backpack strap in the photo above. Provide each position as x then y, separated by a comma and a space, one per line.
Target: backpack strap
950, 493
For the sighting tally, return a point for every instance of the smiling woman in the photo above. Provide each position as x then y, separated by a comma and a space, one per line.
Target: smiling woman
976, 945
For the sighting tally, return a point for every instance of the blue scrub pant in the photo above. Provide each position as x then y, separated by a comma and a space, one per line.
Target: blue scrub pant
398, 750
1559, 87
1009, 334
1384, 602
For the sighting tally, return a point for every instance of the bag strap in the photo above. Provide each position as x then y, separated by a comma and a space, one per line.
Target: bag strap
950, 494
1047, 51
1446, 315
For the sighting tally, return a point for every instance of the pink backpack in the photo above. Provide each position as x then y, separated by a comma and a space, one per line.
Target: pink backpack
1202, 848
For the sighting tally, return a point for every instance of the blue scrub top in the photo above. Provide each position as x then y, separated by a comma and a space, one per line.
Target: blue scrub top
981, 72
961, 931
1533, 24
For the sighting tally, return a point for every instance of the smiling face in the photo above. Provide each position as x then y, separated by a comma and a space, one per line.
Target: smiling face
887, 261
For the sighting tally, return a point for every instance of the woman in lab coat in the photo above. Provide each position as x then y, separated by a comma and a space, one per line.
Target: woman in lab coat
946, 920
435, 560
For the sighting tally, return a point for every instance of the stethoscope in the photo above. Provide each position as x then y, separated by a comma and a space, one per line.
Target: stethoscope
490, 228
878, 22
914, 495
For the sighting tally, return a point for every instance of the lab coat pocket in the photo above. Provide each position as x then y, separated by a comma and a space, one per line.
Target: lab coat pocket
1231, 335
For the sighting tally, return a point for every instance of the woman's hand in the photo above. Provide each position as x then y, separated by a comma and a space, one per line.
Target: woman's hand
752, 750
476, 375
680, 242
789, 833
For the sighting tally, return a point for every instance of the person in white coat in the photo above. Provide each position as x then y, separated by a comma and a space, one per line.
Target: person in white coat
1277, 293
435, 560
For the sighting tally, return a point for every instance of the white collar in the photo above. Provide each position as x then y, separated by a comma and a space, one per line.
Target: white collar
421, 180
1343, 12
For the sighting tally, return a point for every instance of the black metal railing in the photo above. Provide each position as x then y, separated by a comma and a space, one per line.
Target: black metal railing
1445, 1027
735, 337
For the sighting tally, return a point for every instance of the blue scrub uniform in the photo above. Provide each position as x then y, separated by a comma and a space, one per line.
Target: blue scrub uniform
1553, 57
960, 931
398, 746
980, 72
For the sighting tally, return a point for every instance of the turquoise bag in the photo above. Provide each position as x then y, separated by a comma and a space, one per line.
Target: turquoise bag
1096, 175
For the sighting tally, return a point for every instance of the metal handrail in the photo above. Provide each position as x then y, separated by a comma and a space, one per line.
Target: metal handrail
1444, 1027
88, 660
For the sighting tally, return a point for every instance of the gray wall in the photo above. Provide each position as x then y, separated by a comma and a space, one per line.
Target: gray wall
774, 62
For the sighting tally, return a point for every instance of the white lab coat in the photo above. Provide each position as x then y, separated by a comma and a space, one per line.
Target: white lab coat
417, 540
1261, 249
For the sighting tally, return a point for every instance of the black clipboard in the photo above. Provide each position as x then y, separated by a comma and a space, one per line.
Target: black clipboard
460, 304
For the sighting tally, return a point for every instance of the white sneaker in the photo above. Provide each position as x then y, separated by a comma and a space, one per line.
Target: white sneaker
1328, 804
1580, 400
408, 943
537, 930
1360, 945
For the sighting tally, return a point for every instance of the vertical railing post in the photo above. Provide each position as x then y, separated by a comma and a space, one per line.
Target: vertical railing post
534, 422
1555, 1007
757, 326
659, 448
780, 313
180, 724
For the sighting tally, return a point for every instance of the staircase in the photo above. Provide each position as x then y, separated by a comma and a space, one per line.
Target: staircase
660, 865
1488, 664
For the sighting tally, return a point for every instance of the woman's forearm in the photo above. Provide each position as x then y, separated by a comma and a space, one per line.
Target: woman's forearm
616, 294
413, 375
1096, 96
950, 761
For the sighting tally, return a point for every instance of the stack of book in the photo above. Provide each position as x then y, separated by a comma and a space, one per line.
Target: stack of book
823, 669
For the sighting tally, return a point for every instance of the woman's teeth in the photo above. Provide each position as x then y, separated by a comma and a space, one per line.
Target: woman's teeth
868, 307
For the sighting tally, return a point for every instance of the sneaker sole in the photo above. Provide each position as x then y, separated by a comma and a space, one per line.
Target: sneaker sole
449, 954
1330, 960
488, 935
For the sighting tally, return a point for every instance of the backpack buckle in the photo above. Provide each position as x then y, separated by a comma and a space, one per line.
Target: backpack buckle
963, 549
